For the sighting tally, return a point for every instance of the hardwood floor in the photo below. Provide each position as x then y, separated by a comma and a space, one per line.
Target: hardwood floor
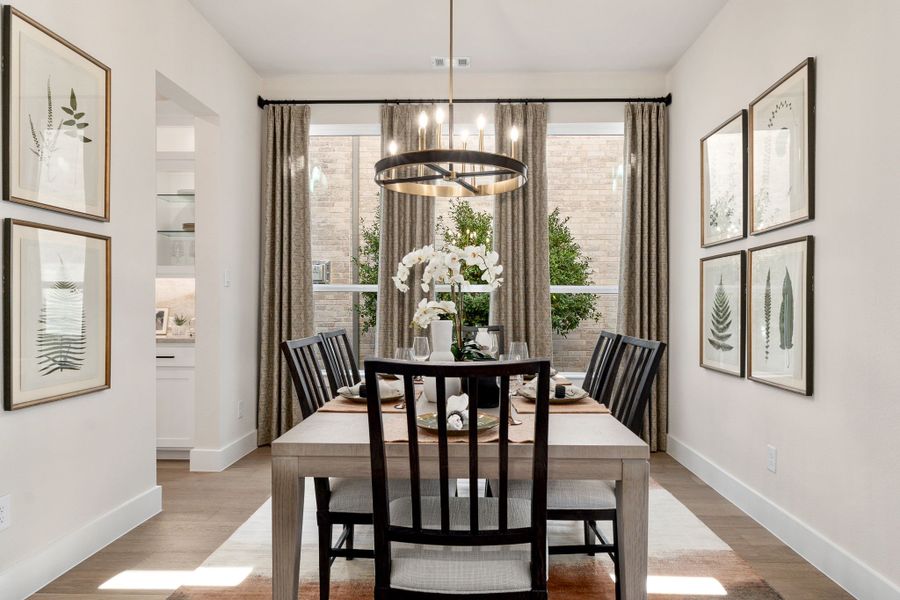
200, 511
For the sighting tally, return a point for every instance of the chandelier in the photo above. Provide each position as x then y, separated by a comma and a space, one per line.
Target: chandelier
453, 171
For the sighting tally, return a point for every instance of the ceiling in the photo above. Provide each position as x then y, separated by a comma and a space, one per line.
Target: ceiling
284, 37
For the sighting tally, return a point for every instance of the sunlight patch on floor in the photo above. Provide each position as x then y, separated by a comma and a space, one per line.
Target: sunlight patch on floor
685, 586
172, 580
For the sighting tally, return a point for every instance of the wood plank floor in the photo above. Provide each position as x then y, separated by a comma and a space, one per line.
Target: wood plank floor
200, 511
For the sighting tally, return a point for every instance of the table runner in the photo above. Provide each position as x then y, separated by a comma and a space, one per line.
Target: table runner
395, 431
584, 406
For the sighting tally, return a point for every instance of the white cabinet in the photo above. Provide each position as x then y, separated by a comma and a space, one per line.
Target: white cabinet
174, 399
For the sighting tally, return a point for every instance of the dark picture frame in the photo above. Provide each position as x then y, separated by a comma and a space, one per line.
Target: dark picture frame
92, 348
71, 129
708, 174
781, 344
761, 171
720, 340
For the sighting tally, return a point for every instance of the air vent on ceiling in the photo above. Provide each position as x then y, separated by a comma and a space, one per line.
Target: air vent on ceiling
459, 62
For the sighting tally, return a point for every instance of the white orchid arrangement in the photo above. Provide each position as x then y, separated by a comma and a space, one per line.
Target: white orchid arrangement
444, 266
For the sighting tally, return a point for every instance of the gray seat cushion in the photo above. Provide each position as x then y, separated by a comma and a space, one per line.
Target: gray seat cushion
461, 569
568, 494
355, 495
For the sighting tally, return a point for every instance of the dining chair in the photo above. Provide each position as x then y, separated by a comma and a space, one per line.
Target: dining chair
340, 362
632, 370
599, 367
445, 546
339, 501
470, 331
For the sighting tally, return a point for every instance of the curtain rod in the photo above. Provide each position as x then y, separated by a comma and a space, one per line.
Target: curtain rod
667, 100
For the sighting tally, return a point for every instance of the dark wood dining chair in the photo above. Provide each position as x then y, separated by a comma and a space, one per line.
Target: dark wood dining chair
340, 362
345, 502
440, 528
626, 392
470, 331
598, 370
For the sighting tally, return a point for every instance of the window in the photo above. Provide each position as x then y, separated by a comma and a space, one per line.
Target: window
584, 183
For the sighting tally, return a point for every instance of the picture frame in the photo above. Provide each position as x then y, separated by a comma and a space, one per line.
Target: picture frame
55, 121
162, 321
56, 313
723, 182
780, 314
722, 312
782, 171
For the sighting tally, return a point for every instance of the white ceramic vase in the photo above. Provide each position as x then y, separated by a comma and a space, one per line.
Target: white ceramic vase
441, 340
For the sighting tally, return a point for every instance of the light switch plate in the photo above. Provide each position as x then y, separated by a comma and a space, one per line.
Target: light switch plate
5, 511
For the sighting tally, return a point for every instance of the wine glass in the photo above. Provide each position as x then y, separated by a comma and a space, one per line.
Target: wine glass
421, 350
401, 353
494, 345
518, 351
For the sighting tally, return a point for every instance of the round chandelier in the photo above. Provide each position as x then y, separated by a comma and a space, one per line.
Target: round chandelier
451, 172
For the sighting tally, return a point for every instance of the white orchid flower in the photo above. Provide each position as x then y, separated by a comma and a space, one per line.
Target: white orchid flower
400, 285
491, 259
425, 287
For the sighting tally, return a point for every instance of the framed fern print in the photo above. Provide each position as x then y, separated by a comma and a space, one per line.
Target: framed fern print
780, 307
56, 112
723, 182
782, 151
722, 290
56, 313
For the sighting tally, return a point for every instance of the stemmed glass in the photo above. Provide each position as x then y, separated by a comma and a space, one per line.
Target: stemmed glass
421, 350
494, 346
403, 353
518, 351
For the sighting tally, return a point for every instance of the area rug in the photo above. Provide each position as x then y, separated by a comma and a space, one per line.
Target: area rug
686, 560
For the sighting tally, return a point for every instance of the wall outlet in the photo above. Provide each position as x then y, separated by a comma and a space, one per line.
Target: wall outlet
772, 458
240, 409
226, 278
5, 511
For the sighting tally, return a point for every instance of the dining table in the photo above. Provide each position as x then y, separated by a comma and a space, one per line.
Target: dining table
583, 444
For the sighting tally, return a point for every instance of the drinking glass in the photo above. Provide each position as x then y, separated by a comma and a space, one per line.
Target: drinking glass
421, 350
501, 358
518, 351
403, 353
494, 347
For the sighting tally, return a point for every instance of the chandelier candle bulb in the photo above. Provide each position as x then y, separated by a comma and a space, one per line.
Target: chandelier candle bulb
480, 122
514, 138
423, 126
438, 126
392, 150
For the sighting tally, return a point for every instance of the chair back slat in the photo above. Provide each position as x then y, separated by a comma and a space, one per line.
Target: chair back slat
633, 369
597, 374
340, 361
418, 530
470, 331
306, 373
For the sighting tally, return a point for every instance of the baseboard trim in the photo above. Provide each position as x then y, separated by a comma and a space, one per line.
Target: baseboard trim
215, 460
173, 454
846, 570
31, 574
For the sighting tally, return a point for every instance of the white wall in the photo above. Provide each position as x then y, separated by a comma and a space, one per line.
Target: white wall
835, 495
468, 85
82, 471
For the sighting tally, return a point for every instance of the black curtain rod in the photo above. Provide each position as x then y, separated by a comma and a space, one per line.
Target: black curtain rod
667, 100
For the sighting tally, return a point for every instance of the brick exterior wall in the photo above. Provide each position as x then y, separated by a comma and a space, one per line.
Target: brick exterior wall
582, 182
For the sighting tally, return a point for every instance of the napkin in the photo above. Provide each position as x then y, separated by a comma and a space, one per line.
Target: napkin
456, 411
386, 389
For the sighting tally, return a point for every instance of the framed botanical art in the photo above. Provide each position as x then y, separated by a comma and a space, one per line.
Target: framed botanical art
56, 106
723, 182
162, 321
722, 281
780, 307
782, 151
56, 311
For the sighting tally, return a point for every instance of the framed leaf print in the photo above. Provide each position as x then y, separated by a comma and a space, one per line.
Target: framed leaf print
56, 108
723, 182
56, 313
780, 306
722, 287
782, 151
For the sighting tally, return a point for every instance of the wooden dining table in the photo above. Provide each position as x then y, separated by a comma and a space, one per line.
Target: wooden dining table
581, 446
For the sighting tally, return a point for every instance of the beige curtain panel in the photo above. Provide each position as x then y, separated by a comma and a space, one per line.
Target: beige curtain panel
286, 296
644, 274
521, 235
407, 222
